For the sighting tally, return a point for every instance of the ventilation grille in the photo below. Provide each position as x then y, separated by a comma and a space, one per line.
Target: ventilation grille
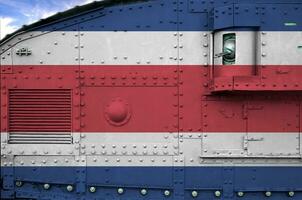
40, 116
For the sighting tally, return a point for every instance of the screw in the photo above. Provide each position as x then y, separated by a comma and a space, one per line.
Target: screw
291, 193
120, 190
217, 193
144, 192
69, 188
46, 186
92, 189
194, 193
240, 194
19, 183
268, 194
167, 193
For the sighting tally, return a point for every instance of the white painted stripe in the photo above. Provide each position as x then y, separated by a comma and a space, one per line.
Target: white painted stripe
160, 149
153, 48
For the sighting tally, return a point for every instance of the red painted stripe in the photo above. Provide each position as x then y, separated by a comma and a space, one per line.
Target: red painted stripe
148, 98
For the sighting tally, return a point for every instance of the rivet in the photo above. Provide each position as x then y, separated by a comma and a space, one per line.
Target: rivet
217, 193
46, 186
291, 193
69, 188
268, 194
167, 193
240, 194
120, 190
92, 189
144, 192
19, 183
194, 194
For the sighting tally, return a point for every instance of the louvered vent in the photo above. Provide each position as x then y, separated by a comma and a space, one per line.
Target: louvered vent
40, 116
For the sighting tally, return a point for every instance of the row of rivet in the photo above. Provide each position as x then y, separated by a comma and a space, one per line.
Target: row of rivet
121, 191
241, 194
93, 189
46, 186
144, 192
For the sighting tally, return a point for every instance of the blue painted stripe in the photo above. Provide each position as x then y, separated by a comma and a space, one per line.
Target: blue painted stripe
253, 181
193, 15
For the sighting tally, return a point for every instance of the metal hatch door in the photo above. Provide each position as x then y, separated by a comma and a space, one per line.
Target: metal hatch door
273, 128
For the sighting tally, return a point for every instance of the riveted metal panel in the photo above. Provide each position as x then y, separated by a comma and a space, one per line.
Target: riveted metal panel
6, 62
191, 148
223, 17
127, 161
281, 48
144, 109
194, 48
41, 149
247, 15
223, 116
129, 145
197, 6
52, 48
223, 145
283, 115
128, 48
274, 144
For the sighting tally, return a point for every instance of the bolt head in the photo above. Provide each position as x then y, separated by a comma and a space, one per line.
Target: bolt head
291, 193
143, 192
19, 183
217, 193
120, 190
69, 188
240, 194
92, 189
268, 194
46, 186
167, 193
194, 193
